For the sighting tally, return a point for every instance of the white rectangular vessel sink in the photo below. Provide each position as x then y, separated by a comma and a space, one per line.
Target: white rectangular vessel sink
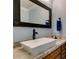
38, 45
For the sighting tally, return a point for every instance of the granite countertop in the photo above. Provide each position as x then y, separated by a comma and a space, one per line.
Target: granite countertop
20, 53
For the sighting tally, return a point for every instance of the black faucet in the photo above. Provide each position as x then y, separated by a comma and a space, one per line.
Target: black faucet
34, 34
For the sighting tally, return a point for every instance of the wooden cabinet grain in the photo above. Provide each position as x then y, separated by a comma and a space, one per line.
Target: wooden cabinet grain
58, 57
59, 53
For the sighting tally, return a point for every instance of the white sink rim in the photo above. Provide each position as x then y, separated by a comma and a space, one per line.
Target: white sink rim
35, 43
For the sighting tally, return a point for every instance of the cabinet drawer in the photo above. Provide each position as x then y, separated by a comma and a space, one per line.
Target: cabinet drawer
54, 54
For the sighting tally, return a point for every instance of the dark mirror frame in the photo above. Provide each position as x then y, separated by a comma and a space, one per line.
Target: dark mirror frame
16, 15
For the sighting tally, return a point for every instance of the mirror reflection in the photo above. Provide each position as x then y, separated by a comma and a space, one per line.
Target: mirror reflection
33, 13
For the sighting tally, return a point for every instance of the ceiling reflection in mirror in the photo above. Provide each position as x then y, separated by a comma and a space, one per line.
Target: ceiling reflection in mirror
33, 13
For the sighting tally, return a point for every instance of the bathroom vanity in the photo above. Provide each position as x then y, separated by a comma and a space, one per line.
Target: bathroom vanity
57, 51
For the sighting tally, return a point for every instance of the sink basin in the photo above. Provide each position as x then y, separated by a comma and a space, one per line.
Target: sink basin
38, 45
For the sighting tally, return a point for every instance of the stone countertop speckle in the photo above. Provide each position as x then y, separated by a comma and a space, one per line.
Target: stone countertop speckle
20, 53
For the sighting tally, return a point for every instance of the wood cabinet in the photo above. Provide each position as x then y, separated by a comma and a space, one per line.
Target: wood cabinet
58, 57
59, 53
63, 51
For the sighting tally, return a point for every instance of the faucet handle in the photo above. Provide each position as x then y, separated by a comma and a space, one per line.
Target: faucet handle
36, 32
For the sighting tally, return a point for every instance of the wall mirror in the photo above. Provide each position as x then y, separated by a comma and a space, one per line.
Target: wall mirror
31, 13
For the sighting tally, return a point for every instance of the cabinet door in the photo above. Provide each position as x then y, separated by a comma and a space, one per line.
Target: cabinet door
52, 57
54, 54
